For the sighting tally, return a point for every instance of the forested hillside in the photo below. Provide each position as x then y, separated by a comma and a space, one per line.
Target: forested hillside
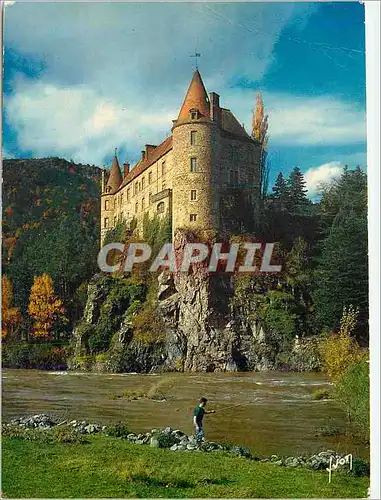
50, 225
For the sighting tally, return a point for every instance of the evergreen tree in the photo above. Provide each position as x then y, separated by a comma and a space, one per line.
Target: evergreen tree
297, 191
281, 191
342, 273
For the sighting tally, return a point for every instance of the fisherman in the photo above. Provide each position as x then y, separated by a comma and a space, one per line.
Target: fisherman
198, 415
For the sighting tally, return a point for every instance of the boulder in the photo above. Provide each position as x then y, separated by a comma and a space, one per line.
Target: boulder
154, 442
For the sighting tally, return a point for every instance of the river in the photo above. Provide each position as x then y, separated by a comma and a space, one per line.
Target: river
275, 412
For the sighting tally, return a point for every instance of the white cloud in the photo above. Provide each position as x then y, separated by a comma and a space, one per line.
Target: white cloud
323, 174
307, 121
79, 123
85, 125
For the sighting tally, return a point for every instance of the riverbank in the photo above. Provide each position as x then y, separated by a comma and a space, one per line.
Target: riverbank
110, 467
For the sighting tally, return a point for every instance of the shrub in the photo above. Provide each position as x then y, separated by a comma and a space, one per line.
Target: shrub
44, 356
360, 468
166, 440
148, 326
119, 430
340, 350
61, 434
352, 390
320, 394
64, 434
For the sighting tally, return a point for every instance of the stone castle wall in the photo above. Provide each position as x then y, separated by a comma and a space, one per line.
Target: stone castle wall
149, 192
194, 193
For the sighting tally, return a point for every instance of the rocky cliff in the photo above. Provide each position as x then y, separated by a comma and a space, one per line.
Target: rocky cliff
202, 328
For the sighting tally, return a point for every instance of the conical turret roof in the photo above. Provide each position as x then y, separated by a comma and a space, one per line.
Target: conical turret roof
115, 178
196, 98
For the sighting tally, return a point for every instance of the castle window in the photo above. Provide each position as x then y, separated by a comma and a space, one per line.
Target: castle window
128, 194
193, 164
149, 177
115, 220
163, 185
143, 203
106, 222
143, 182
136, 207
193, 135
121, 199
193, 195
136, 187
194, 114
107, 203
115, 200
193, 217
160, 207
149, 198
163, 169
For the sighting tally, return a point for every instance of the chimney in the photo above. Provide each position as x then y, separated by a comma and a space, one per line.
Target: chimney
149, 149
126, 169
143, 155
215, 110
103, 182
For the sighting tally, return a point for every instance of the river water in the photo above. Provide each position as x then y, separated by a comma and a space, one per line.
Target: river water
269, 412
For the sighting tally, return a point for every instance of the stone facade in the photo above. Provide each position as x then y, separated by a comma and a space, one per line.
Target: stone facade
192, 176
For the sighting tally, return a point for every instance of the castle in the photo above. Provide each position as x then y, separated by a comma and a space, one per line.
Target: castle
195, 176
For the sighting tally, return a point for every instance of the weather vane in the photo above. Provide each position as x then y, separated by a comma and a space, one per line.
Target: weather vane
196, 55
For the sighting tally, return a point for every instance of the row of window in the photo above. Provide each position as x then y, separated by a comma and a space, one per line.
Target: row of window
160, 209
193, 197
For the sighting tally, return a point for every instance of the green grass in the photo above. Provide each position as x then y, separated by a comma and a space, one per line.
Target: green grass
110, 467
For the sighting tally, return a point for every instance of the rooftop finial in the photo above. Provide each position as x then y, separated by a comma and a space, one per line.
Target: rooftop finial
196, 55
116, 150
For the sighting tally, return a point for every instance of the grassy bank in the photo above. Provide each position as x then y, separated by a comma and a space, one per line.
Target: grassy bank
109, 467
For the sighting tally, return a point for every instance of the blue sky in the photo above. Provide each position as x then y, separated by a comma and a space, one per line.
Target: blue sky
81, 79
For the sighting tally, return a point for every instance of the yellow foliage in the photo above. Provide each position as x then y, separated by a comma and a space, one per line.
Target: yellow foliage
260, 122
10, 316
340, 350
44, 307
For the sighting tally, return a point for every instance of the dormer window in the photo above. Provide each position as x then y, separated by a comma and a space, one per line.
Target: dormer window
194, 114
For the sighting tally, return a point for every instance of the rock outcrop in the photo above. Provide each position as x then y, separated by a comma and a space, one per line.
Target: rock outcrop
202, 328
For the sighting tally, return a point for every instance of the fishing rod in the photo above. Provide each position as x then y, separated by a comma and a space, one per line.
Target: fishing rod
234, 406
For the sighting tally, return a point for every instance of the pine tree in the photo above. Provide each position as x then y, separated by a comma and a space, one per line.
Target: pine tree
281, 191
10, 316
297, 191
342, 274
44, 308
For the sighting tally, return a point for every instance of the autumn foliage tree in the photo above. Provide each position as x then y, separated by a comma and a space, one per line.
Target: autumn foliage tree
259, 132
44, 308
10, 316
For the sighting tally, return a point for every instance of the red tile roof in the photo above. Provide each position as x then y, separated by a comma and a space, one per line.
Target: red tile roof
153, 155
196, 98
115, 177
